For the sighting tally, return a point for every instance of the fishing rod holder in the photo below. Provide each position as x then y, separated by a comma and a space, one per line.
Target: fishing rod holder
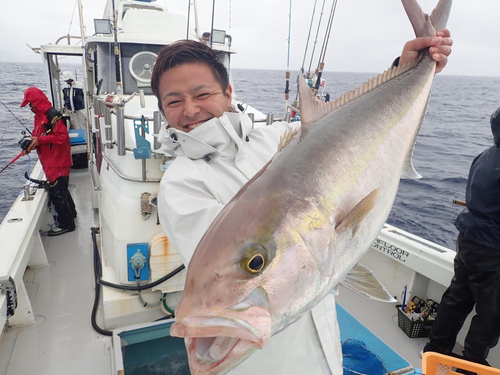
269, 118
108, 130
27, 193
156, 134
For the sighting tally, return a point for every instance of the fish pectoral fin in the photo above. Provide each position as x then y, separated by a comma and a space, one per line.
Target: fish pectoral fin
358, 213
409, 171
286, 138
361, 280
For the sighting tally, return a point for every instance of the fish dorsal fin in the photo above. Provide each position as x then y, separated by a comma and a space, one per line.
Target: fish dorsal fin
312, 109
358, 213
286, 138
361, 280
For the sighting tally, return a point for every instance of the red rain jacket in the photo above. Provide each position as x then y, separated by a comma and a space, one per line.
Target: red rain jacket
54, 150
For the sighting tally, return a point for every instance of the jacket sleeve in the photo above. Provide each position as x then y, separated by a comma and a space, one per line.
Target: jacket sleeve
186, 209
58, 135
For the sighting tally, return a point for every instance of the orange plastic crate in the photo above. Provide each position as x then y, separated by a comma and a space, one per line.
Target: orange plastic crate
439, 364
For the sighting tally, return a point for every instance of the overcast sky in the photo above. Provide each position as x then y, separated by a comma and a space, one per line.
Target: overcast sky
366, 35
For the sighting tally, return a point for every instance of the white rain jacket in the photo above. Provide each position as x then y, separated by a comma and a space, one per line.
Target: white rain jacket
74, 102
212, 163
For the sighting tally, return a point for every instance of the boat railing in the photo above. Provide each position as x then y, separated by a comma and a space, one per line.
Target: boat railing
68, 37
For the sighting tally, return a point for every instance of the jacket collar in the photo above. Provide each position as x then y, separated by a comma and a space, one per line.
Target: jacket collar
214, 136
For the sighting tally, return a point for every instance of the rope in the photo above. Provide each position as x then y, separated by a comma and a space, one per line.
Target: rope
71, 22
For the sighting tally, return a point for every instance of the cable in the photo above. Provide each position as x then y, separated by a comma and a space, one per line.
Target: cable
99, 283
71, 22
97, 276
135, 288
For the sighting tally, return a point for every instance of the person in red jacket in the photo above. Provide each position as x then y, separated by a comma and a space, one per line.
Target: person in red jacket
51, 141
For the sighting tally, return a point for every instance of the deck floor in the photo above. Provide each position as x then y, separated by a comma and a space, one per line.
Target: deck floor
382, 320
62, 341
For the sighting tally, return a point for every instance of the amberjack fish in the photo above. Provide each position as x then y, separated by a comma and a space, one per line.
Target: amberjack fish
299, 227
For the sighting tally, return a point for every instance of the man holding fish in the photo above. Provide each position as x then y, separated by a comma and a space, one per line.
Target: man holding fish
272, 257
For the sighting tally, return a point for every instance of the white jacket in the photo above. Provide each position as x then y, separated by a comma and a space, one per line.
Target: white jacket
212, 163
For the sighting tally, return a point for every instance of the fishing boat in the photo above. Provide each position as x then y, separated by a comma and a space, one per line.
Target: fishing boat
101, 300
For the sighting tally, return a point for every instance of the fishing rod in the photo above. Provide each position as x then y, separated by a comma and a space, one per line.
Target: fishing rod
316, 40
322, 55
12, 161
287, 74
308, 36
12, 113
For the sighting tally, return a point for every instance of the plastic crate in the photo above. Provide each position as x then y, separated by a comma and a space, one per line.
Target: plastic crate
439, 364
413, 328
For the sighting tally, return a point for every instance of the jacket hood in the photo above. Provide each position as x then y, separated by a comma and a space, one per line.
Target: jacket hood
67, 75
495, 126
38, 99
208, 138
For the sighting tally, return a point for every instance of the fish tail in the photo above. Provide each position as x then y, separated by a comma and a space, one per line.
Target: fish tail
423, 24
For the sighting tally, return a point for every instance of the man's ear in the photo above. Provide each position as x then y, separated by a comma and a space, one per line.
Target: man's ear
229, 95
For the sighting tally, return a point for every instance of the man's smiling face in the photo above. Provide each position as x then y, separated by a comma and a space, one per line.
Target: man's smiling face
191, 95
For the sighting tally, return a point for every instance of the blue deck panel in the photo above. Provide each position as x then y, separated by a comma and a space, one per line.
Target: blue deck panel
77, 137
350, 328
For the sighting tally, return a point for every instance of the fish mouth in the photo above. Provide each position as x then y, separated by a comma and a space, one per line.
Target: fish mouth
217, 344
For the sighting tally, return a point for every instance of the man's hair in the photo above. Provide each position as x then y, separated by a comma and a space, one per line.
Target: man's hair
185, 52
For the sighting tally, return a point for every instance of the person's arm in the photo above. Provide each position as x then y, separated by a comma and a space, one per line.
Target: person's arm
186, 209
58, 135
440, 48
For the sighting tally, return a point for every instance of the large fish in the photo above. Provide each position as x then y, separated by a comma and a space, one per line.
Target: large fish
296, 230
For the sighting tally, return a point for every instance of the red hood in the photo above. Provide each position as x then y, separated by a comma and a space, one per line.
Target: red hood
38, 100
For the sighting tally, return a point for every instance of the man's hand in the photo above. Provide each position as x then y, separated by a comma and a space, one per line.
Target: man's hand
440, 48
34, 144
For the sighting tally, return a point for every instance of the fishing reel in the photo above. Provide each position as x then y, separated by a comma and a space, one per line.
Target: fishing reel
25, 141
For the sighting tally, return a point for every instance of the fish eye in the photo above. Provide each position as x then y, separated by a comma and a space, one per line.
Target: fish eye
256, 263
254, 259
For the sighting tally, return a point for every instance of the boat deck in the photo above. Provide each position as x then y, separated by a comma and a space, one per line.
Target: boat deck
63, 341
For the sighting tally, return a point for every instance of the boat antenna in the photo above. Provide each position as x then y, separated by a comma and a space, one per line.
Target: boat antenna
189, 15
117, 52
322, 55
196, 23
212, 28
316, 41
287, 74
12, 113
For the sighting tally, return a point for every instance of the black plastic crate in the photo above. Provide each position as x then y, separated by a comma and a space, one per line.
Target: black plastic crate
413, 328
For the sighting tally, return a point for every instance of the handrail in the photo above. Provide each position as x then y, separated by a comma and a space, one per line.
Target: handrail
133, 179
69, 37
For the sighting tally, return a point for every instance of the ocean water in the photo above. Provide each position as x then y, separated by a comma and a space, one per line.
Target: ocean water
455, 130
